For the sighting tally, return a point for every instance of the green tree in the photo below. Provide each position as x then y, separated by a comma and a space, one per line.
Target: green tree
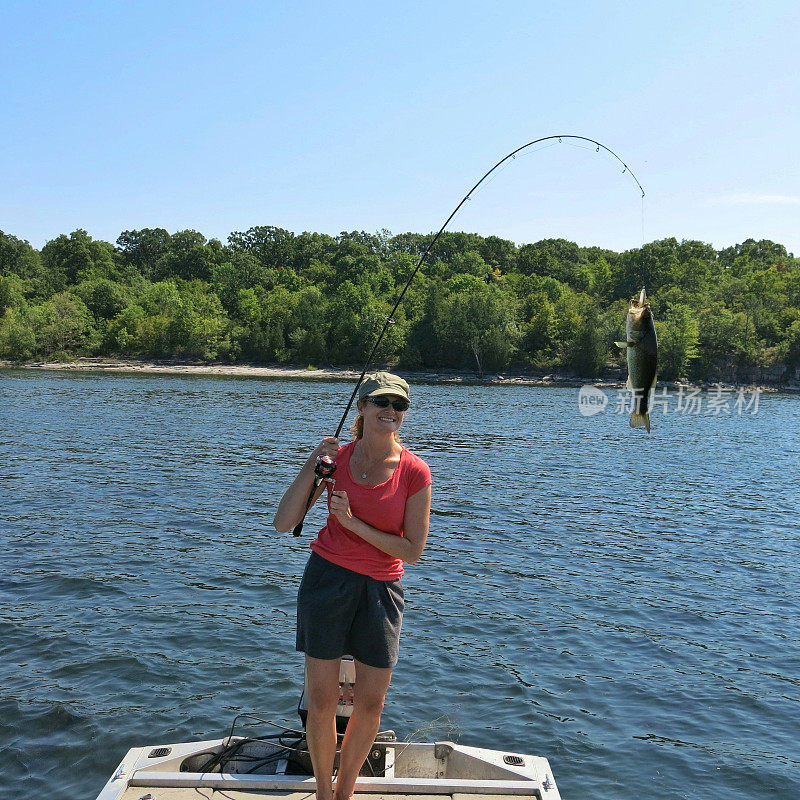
595, 278
271, 246
567, 318
65, 326
653, 265
726, 342
678, 337
375, 243
411, 244
587, 353
276, 312
272, 295
356, 320
12, 292
246, 333
103, 297
124, 334
764, 300
451, 243
179, 319
189, 257
201, 328
70, 259
478, 325
751, 254
143, 250
308, 327
793, 344
424, 348
242, 271
18, 334
320, 273
551, 258
17, 257
471, 263
538, 331
498, 254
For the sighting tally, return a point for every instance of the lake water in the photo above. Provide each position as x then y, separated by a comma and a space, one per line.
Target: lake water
626, 605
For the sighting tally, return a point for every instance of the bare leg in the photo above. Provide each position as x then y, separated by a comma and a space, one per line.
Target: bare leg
370, 692
323, 695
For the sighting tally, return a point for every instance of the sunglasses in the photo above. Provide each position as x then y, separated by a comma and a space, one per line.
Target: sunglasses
385, 402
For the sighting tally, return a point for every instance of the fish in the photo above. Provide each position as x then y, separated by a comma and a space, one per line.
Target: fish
641, 349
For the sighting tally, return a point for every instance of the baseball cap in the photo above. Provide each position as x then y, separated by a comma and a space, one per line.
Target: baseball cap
383, 383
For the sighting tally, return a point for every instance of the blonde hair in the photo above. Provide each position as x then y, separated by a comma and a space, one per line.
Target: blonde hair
357, 428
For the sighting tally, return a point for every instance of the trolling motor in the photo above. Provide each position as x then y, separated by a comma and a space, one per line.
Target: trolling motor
344, 707
376, 762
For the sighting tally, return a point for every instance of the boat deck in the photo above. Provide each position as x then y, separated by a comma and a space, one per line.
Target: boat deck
241, 768
204, 793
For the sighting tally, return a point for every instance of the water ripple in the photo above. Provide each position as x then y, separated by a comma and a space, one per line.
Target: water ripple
625, 605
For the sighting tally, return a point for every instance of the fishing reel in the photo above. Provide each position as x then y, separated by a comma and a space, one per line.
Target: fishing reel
323, 471
324, 468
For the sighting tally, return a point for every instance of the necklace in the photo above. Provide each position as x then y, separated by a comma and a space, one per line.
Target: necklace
364, 473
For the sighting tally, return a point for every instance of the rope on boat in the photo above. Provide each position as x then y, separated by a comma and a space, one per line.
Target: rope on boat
231, 749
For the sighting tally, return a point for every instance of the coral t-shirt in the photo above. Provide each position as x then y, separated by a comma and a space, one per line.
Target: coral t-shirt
382, 506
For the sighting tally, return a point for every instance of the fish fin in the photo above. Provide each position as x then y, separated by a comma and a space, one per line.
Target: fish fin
640, 420
654, 383
629, 384
621, 345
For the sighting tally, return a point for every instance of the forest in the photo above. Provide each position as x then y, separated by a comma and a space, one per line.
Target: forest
479, 303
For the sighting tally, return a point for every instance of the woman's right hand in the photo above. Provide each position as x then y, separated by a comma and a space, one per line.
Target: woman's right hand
329, 446
292, 507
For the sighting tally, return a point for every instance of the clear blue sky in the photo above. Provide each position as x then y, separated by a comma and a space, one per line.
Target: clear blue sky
360, 116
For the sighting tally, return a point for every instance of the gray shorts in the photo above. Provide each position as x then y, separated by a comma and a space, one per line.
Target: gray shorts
341, 612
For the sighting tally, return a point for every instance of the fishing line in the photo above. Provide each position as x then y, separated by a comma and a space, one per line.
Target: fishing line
598, 146
467, 196
500, 171
642, 220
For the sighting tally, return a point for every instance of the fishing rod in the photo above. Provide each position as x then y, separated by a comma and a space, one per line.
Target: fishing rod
325, 467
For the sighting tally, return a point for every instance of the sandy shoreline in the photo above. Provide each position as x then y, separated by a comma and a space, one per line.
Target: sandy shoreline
150, 367
302, 373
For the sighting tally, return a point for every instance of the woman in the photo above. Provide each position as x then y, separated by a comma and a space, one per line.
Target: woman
350, 599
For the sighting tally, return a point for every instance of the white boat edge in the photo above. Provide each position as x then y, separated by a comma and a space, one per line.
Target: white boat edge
138, 768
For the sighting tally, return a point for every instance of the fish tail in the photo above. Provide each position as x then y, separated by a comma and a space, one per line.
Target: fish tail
641, 420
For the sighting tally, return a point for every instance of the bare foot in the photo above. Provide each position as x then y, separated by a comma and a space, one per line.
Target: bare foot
324, 794
339, 794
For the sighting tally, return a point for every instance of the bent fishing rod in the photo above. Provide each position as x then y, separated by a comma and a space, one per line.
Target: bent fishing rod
325, 467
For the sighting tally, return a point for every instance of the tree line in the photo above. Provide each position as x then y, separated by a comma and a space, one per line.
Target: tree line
272, 296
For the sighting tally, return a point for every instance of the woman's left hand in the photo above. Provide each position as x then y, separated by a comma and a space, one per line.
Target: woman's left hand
340, 508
